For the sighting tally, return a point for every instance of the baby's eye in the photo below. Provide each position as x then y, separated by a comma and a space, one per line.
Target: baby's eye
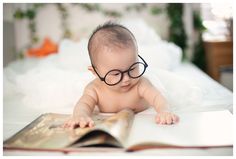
115, 74
132, 68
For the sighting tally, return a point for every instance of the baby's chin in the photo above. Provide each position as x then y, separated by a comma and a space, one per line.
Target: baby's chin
125, 88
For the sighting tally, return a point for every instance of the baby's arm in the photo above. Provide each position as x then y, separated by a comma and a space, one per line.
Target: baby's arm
156, 99
83, 110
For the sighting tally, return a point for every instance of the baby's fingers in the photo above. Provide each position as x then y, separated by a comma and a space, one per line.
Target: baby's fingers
166, 118
73, 124
158, 120
175, 118
86, 121
66, 124
83, 123
91, 123
163, 119
169, 119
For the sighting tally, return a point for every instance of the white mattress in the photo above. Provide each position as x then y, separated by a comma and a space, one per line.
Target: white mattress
215, 96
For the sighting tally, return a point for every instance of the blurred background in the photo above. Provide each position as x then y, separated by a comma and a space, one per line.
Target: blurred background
203, 31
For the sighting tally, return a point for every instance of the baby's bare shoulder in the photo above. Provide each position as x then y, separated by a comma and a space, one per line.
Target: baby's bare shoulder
144, 85
144, 82
91, 88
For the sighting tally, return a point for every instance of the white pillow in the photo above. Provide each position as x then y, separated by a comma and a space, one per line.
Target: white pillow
159, 53
73, 55
52, 88
143, 33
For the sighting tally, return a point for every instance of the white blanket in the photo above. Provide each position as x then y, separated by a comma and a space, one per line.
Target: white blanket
57, 81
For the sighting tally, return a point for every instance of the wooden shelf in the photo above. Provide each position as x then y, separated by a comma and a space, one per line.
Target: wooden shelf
218, 54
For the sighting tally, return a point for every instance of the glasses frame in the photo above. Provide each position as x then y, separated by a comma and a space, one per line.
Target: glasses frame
122, 72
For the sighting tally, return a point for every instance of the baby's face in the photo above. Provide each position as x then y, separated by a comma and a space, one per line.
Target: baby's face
120, 59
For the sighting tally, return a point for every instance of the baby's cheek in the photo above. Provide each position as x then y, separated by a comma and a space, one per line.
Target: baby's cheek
134, 81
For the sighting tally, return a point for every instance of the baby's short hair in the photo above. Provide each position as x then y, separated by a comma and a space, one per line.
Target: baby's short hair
112, 35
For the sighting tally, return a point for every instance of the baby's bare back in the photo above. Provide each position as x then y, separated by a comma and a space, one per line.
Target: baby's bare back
111, 101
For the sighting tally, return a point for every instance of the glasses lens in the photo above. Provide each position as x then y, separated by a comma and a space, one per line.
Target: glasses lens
113, 77
136, 70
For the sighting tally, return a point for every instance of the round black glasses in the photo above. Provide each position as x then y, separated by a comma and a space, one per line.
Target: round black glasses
114, 77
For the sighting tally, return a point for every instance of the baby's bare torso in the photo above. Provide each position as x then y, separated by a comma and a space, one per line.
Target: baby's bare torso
111, 101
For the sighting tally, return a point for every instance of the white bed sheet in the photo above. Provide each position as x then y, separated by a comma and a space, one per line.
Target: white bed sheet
216, 97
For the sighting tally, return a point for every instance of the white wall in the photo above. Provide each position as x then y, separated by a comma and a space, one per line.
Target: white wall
81, 22
9, 46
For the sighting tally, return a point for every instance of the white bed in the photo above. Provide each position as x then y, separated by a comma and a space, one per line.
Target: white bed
53, 84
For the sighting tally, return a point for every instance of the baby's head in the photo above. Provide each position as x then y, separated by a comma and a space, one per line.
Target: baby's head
113, 49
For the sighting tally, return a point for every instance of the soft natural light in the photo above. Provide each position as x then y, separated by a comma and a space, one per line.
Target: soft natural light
217, 19
222, 11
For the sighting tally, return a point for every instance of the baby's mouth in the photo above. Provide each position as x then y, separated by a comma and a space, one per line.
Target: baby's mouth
125, 86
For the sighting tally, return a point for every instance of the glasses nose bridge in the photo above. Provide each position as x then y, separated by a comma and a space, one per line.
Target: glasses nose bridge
123, 74
126, 71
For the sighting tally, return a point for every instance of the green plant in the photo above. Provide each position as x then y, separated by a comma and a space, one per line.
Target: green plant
64, 17
177, 32
29, 14
199, 52
136, 7
97, 7
155, 10
90, 7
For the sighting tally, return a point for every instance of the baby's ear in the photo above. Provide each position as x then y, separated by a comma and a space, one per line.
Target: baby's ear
90, 68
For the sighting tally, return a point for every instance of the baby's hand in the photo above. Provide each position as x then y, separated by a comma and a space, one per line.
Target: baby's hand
79, 121
166, 118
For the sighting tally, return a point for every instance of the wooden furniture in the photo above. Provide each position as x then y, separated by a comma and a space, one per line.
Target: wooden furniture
218, 54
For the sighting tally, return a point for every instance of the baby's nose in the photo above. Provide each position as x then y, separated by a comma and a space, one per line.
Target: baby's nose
126, 78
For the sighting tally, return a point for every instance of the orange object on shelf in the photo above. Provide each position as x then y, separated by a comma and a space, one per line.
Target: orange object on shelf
48, 47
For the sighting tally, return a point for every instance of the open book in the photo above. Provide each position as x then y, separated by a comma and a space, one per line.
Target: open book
127, 131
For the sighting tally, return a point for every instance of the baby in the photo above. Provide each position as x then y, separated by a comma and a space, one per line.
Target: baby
119, 84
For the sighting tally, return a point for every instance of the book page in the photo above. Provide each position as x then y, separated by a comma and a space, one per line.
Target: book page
200, 129
46, 132
117, 129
